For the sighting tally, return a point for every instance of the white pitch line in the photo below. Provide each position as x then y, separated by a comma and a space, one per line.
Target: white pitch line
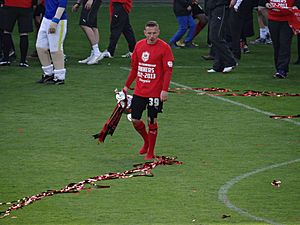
229, 101
222, 194
235, 103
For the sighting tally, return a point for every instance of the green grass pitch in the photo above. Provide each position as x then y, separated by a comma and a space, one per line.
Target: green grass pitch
230, 148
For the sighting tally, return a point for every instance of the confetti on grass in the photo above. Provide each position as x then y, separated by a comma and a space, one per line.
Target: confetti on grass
284, 117
276, 183
142, 169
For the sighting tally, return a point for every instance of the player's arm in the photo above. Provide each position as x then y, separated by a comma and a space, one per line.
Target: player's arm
133, 72
58, 14
168, 61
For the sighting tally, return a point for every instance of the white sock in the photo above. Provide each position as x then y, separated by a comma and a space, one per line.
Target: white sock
262, 33
60, 74
48, 70
96, 49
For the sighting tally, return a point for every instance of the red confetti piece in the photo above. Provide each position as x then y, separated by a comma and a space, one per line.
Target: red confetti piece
142, 169
283, 117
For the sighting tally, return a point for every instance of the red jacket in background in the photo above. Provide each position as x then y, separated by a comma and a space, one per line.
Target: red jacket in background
280, 15
127, 5
18, 3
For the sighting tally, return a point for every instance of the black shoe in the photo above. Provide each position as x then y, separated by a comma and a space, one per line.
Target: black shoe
280, 74
174, 46
45, 79
23, 64
56, 81
190, 45
4, 63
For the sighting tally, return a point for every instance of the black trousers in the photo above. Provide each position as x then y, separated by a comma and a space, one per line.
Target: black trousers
281, 35
218, 29
298, 44
120, 24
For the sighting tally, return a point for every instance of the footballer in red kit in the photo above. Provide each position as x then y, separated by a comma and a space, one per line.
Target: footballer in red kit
151, 68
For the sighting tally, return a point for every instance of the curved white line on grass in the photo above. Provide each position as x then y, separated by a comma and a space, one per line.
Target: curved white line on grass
227, 100
222, 194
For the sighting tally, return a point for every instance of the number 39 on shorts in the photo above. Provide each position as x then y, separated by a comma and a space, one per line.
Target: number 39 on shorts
154, 102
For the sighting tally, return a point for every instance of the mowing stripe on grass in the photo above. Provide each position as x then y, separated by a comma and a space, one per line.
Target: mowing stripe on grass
228, 100
222, 194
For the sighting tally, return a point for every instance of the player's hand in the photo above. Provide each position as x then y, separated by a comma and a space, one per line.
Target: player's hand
232, 3
189, 8
88, 4
52, 28
75, 7
125, 89
164, 96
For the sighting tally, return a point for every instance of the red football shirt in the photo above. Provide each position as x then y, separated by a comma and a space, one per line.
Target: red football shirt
151, 67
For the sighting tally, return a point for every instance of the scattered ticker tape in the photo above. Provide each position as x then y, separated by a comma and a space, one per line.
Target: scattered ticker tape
142, 169
229, 92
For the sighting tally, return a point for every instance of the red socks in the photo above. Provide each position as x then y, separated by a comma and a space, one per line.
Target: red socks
149, 138
152, 134
141, 129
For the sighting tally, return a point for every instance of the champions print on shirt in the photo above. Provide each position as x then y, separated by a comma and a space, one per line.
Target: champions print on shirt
146, 72
279, 3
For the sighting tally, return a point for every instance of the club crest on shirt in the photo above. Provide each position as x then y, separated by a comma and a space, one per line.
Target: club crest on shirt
145, 56
170, 64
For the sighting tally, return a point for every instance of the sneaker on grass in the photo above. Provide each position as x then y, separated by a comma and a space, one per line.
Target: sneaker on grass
45, 79
127, 55
95, 59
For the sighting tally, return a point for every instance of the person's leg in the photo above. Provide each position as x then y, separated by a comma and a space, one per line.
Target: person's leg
236, 25
285, 42
298, 49
202, 21
42, 48
129, 35
140, 127
191, 31
6, 48
152, 135
118, 20
223, 55
138, 105
183, 26
25, 27
275, 35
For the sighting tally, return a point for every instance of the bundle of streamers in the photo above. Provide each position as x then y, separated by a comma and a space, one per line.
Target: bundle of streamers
142, 169
111, 124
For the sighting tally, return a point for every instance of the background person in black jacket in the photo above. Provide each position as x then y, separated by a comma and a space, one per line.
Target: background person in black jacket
218, 12
182, 10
